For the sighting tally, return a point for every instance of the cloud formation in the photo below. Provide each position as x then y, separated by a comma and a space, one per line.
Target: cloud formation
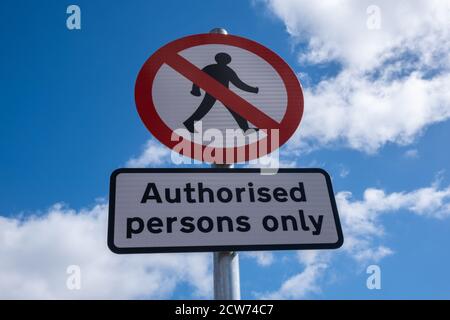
363, 34
392, 81
364, 114
36, 252
153, 153
363, 229
305, 283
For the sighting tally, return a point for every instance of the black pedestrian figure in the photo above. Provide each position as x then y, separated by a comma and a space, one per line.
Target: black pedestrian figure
224, 74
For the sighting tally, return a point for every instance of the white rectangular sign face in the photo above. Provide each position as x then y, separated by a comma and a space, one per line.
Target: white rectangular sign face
187, 210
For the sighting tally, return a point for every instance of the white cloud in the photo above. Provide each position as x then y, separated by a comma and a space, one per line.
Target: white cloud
154, 153
338, 30
393, 80
36, 251
362, 228
306, 282
361, 219
365, 114
300, 285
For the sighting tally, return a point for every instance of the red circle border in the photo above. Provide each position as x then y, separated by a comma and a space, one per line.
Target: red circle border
158, 128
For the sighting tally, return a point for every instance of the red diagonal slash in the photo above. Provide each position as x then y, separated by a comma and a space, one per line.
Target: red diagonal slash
222, 93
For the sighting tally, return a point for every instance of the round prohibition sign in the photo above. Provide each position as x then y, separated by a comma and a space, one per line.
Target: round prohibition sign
169, 55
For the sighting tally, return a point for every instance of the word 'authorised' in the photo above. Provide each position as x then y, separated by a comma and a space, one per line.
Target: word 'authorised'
201, 194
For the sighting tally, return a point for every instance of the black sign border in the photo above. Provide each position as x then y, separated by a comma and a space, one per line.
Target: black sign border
315, 246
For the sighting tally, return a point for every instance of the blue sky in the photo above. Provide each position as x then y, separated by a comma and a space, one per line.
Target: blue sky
69, 119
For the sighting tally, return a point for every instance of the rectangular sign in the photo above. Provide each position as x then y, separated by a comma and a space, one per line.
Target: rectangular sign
188, 210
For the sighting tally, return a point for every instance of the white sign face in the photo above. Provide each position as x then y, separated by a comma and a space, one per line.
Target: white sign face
175, 104
186, 210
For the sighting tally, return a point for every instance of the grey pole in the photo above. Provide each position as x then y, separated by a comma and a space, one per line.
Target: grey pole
226, 263
226, 270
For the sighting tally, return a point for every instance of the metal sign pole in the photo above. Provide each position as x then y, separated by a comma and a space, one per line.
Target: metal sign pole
226, 270
226, 276
226, 263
